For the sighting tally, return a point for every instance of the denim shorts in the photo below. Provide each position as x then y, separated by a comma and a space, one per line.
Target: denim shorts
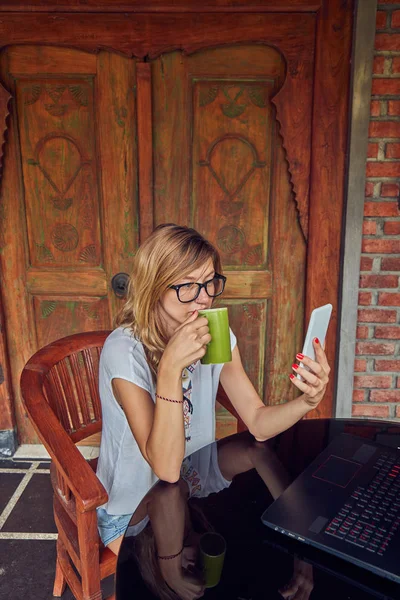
111, 527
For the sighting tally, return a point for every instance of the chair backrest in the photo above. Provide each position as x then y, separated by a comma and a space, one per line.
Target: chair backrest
65, 373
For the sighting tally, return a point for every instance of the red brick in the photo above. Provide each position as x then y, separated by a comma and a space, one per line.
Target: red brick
379, 281
380, 246
366, 263
389, 299
384, 85
383, 169
395, 16
389, 190
389, 333
387, 41
368, 410
362, 332
391, 228
393, 108
390, 264
388, 129
360, 365
381, 209
373, 381
372, 151
365, 298
396, 64
369, 189
375, 110
369, 227
392, 150
385, 396
367, 348
380, 24
379, 65
374, 315
358, 395
398, 382
387, 365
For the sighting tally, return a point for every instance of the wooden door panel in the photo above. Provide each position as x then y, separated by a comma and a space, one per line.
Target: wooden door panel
220, 166
74, 139
58, 161
117, 158
287, 259
90, 282
171, 139
248, 320
73, 315
229, 172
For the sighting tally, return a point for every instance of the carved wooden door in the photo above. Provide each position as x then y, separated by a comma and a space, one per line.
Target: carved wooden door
220, 166
69, 196
237, 129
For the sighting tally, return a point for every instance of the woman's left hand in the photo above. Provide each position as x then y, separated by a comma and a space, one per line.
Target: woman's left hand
315, 379
302, 583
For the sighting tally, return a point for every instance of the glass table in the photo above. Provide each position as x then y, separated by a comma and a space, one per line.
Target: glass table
258, 562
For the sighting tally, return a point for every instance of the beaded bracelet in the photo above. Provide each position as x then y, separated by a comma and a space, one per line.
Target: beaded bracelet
170, 556
169, 399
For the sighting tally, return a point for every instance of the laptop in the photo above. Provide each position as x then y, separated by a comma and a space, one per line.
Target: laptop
347, 502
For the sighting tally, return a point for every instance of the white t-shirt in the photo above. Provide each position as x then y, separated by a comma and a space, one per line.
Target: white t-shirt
125, 474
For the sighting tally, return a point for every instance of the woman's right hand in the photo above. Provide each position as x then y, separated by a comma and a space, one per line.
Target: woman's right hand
186, 585
187, 344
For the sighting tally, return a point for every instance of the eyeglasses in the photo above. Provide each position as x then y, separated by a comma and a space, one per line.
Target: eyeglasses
187, 292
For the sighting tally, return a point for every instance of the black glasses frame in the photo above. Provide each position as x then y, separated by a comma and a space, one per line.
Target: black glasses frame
200, 286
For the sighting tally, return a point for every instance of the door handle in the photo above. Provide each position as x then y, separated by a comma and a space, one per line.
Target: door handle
119, 284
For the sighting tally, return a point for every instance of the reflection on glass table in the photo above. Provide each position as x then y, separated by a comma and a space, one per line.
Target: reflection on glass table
225, 488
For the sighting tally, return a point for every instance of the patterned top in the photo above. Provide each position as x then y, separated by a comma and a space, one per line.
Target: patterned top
187, 395
122, 469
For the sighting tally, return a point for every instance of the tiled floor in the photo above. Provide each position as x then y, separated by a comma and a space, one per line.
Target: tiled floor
27, 531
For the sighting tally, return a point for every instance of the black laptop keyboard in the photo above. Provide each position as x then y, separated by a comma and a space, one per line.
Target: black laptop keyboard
371, 516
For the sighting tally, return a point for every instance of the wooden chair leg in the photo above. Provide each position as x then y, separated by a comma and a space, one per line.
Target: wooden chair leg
59, 581
89, 540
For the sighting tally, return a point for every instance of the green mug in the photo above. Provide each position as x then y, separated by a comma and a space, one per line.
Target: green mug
212, 555
219, 349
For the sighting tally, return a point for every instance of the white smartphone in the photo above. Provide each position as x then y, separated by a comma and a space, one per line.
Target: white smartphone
317, 328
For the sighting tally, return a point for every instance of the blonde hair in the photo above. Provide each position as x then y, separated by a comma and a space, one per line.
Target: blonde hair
171, 252
146, 557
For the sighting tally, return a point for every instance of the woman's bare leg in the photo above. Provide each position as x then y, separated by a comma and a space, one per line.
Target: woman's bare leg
115, 545
138, 515
239, 453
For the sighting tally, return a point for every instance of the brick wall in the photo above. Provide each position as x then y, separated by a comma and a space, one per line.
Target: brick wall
377, 363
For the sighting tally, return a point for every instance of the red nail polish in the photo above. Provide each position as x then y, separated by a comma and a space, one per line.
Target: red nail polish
291, 376
316, 340
295, 366
299, 356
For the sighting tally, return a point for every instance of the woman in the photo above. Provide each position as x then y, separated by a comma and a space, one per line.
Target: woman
158, 400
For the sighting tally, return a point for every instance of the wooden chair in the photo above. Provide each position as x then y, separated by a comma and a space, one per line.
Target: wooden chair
59, 386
